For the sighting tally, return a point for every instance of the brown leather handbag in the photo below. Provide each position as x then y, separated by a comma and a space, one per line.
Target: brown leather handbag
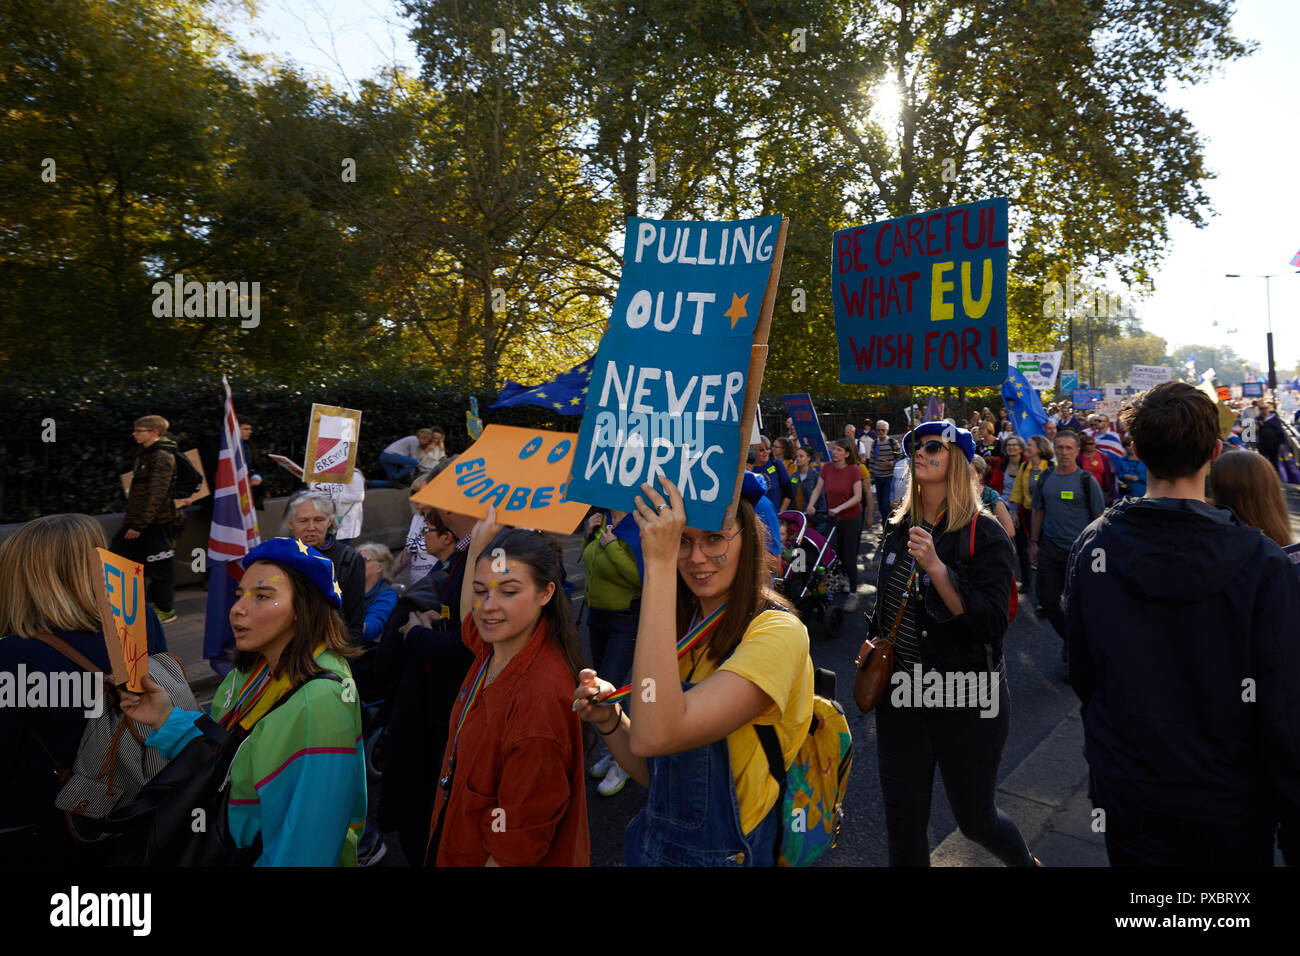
875, 665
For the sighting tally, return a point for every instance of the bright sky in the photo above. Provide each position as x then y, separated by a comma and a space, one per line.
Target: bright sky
1246, 114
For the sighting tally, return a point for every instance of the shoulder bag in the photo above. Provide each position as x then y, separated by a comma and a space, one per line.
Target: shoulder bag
180, 818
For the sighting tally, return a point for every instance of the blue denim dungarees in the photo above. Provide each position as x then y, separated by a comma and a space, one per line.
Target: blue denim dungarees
692, 817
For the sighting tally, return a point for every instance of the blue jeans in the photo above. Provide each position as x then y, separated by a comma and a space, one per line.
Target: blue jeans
613, 641
692, 817
883, 488
397, 467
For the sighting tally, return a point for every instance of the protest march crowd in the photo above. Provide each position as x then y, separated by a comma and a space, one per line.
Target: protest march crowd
1152, 546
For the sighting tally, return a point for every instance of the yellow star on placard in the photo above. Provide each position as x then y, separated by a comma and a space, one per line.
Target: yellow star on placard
737, 310
575, 400
301, 547
337, 589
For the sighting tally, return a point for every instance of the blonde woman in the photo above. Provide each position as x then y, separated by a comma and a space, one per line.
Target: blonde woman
47, 574
944, 593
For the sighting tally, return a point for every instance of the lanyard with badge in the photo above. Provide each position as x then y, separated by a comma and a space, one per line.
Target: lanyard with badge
474, 689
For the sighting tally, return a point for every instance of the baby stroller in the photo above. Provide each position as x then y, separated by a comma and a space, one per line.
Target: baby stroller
807, 563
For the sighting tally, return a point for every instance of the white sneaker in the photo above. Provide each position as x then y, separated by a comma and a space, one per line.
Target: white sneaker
851, 603
601, 767
614, 781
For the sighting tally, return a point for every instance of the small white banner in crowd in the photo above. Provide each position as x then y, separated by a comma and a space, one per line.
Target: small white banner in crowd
1149, 376
1039, 368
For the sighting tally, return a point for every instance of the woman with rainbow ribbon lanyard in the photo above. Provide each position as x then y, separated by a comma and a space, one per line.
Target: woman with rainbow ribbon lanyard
732, 656
298, 779
943, 599
512, 791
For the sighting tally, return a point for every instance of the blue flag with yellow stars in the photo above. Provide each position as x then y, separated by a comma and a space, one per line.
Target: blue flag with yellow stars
566, 395
1023, 406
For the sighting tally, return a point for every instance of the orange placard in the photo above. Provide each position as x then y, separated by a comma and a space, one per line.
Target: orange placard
519, 470
121, 615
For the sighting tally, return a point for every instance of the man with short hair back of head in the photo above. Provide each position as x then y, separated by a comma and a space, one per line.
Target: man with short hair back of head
1181, 628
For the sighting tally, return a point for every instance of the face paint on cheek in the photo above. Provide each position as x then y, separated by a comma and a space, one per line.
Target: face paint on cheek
933, 463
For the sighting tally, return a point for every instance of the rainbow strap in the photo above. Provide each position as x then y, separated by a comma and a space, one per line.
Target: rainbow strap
473, 695
258, 679
696, 634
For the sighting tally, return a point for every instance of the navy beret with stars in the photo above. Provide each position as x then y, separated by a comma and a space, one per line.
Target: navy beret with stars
317, 568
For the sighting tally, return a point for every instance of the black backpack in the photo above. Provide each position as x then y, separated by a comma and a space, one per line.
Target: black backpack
186, 481
157, 828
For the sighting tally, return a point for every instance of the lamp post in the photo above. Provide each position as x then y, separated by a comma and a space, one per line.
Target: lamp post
1268, 305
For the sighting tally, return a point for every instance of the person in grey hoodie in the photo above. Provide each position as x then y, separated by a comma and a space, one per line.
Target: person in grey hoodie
1181, 624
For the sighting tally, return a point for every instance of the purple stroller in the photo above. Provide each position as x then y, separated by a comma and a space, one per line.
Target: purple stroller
807, 561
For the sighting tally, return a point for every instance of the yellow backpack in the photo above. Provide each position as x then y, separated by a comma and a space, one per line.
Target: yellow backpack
813, 788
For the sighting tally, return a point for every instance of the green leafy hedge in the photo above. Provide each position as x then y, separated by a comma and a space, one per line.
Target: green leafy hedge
91, 417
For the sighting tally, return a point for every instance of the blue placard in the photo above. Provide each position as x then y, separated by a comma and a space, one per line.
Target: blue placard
1252, 389
806, 425
668, 382
922, 300
1069, 380
1083, 398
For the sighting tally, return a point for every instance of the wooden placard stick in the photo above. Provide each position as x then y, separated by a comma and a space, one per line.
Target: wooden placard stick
757, 362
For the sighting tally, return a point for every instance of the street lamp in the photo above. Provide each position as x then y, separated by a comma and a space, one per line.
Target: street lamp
1272, 371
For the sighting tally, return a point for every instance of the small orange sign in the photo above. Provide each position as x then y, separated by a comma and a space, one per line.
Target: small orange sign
519, 470
122, 616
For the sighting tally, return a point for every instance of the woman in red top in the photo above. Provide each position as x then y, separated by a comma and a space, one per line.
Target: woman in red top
846, 492
1094, 463
512, 791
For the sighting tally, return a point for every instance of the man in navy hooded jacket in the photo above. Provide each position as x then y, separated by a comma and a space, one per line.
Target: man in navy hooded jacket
1181, 623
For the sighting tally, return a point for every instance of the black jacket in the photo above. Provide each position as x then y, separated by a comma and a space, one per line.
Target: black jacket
28, 783
1181, 622
350, 570
425, 671
958, 642
1271, 437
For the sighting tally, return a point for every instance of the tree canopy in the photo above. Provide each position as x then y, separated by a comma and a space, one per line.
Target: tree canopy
467, 220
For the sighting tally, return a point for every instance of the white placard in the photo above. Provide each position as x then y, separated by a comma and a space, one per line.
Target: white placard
1148, 376
1039, 368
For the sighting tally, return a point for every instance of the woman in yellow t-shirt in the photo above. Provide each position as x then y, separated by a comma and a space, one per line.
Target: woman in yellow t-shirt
734, 656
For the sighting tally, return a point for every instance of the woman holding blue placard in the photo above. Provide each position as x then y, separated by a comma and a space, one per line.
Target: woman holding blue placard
734, 658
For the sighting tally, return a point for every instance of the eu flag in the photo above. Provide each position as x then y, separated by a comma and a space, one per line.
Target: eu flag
566, 395
1023, 407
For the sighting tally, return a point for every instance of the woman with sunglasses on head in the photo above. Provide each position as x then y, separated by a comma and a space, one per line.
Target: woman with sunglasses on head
944, 594
733, 657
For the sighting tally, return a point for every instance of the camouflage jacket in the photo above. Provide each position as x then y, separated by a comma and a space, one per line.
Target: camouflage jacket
150, 498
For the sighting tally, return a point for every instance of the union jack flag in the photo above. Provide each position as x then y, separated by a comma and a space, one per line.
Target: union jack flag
232, 535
